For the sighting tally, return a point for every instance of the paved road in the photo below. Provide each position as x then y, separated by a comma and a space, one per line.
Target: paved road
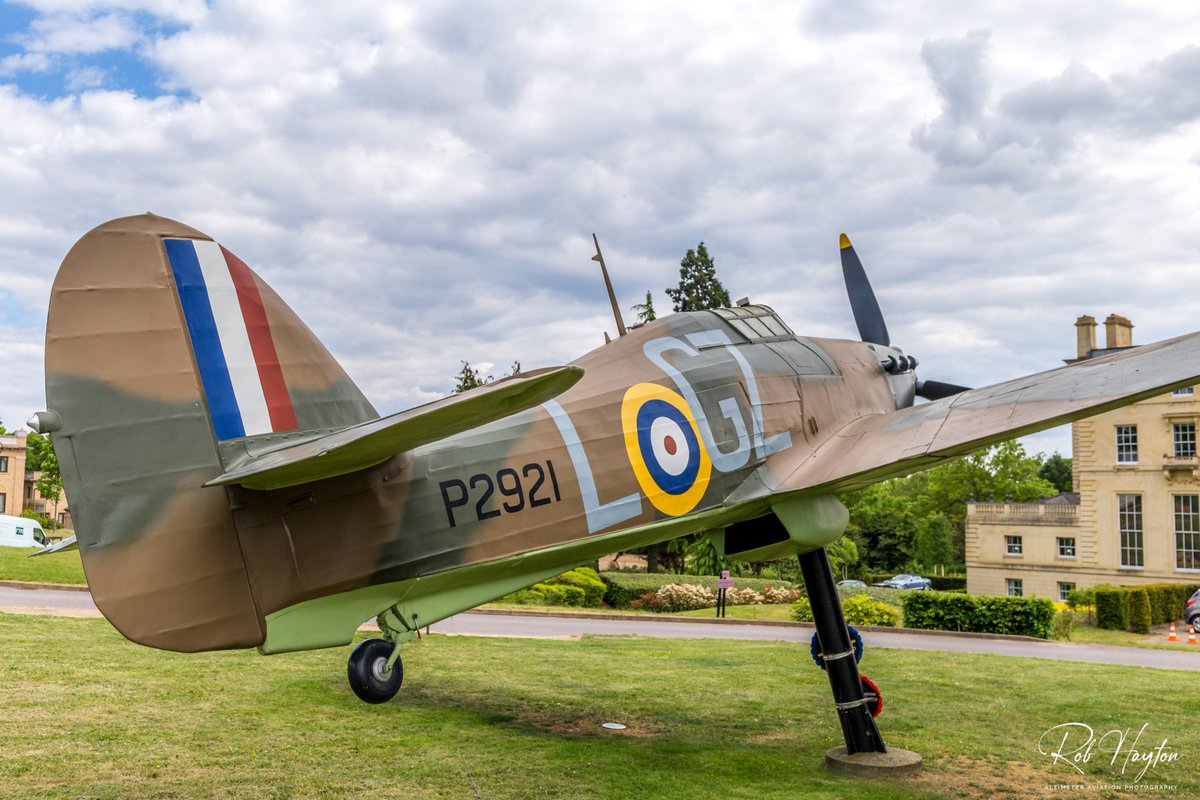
543, 626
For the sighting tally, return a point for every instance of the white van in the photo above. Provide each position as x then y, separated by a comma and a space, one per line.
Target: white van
21, 532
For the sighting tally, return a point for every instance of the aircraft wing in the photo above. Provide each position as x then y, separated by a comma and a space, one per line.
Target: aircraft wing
369, 443
881, 446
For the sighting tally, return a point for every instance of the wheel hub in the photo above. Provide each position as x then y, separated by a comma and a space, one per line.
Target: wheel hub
379, 670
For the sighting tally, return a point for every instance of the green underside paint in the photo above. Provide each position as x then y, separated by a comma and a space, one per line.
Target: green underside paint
332, 621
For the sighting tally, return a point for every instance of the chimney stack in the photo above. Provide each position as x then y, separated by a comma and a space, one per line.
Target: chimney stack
1085, 335
1118, 332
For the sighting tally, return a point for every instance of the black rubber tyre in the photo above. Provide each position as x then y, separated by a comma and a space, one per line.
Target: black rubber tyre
366, 673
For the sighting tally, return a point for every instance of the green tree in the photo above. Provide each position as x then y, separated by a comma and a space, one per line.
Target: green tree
935, 542
882, 524
699, 287
703, 558
469, 378
843, 554
1057, 471
3, 430
49, 484
1003, 472
35, 456
645, 311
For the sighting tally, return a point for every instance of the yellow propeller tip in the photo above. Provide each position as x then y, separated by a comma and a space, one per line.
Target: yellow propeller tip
844, 241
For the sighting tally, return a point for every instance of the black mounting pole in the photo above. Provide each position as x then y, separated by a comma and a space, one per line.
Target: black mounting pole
858, 726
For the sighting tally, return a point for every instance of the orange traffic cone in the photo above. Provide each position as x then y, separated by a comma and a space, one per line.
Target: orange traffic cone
1191, 634
1171, 637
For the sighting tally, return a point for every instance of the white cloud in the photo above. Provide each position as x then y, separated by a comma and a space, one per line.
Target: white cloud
421, 182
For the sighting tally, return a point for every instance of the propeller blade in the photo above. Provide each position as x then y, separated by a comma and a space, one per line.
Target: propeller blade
867, 315
936, 390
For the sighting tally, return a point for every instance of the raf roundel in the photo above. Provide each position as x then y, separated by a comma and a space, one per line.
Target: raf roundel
668, 458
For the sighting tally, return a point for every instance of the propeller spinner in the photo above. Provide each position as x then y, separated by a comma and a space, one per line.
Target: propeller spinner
873, 330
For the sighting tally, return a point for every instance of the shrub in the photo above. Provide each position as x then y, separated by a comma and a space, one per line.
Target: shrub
1139, 611
1027, 616
862, 610
685, 597
622, 587
586, 580
743, 597
948, 583
1080, 598
802, 610
1064, 624
778, 595
1112, 612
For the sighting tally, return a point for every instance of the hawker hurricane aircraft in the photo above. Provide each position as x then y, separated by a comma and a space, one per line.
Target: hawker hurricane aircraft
232, 488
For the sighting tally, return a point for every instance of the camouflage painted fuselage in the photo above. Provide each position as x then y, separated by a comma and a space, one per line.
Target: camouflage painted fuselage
671, 430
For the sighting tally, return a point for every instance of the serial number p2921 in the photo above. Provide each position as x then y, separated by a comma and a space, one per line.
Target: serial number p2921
509, 483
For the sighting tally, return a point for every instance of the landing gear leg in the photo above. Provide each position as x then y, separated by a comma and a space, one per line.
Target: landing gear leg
858, 726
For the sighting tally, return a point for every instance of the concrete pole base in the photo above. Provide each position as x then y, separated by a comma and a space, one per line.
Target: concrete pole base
873, 765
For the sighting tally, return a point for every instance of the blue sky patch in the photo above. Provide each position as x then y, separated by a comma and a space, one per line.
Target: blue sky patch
66, 74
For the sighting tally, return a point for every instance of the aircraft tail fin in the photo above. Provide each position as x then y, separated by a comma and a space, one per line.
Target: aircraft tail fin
166, 358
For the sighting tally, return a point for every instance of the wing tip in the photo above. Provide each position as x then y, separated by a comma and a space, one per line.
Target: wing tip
844, 241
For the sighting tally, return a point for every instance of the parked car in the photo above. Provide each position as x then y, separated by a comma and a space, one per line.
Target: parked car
1192, 611
906, 581
861, 585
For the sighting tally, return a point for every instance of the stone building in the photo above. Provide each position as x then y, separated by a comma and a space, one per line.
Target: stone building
1134, 515
12, 473
18, 486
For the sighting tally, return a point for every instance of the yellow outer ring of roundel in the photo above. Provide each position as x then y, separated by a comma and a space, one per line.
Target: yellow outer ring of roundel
673, 504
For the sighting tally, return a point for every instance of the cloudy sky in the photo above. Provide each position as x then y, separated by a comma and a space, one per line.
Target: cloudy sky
420, 181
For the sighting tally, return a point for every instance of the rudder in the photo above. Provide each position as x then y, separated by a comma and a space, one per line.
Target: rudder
165, 357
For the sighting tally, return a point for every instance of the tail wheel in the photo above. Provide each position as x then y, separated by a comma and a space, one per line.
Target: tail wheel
873, 695
368, 674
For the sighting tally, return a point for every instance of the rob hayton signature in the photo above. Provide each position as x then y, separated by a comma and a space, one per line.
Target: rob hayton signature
1076, 744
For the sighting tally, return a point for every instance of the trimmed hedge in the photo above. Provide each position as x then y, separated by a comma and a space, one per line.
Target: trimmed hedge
577, 587
1166, 601
1139, 611
621, 587
951, 611
1112, 608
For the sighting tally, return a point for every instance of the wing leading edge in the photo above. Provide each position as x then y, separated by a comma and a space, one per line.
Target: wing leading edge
882, 446
369, 443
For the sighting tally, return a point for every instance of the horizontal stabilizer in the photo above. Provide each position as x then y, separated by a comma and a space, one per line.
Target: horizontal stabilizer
69, 543
881, 446
369, 443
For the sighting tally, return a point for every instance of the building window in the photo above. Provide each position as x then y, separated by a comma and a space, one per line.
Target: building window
1066, 546
1012, 545
1183, 436
1127, 444
1187, 531
1184, 392
62, 518
3, 463
1065, 589
1015, 587
3, 502
1129, 525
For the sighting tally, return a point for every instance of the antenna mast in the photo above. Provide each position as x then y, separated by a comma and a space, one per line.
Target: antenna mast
612, 297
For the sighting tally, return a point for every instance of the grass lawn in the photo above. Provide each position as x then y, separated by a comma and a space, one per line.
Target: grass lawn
779, 611
16, 565
85, 713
